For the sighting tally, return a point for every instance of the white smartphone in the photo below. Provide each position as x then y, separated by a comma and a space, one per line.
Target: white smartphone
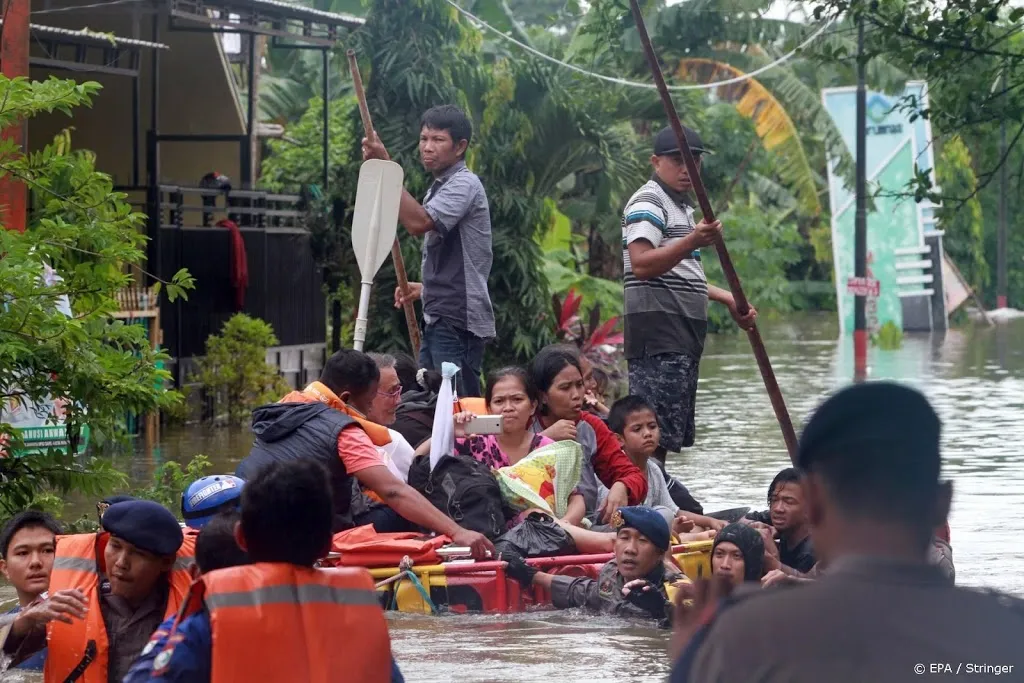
485, 424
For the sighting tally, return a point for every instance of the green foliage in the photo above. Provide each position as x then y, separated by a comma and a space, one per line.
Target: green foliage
762, 251
889, 337
170, 480
960, 216
235, 370
562, 276
297, 159
42, 481
81, 240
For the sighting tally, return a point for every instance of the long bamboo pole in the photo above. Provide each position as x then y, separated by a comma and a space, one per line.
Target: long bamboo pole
763, 363
396, 249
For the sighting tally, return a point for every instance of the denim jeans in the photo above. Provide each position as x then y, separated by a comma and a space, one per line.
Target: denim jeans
444, 343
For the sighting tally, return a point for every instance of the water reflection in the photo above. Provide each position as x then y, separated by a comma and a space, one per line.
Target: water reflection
975, 377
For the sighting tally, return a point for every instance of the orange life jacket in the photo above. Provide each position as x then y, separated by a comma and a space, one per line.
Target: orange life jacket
281, 622
83, 645
363, 546
472, 404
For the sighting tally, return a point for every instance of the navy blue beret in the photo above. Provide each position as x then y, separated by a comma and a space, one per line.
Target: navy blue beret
647, 521
146, 525
873, 418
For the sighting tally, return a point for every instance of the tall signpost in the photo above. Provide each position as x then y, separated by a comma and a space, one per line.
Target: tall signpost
860, 242
1001, 236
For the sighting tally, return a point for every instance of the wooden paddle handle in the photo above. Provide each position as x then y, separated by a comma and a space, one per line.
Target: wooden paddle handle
396, 249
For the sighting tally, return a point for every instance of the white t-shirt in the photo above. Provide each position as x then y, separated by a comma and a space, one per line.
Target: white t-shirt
397, 455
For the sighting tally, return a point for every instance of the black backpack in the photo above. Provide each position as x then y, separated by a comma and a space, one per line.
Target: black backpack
464, 489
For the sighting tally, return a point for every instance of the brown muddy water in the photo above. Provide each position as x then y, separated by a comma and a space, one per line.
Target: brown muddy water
974, 376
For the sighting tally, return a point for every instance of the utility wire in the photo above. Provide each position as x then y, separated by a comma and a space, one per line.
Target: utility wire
75, 8
637, 84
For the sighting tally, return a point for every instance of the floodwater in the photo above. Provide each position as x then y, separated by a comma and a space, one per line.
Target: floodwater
974, 376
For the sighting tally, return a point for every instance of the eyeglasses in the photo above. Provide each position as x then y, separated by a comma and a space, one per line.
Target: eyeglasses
397, 393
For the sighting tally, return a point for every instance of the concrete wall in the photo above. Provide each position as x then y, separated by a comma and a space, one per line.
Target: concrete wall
197, 95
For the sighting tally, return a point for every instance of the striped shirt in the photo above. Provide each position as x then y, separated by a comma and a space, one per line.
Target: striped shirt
665, 314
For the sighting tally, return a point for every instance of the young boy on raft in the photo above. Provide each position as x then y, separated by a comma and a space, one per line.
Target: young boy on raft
635, 424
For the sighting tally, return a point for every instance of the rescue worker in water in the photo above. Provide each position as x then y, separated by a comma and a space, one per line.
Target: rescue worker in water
251, 623
637, 583
108, 593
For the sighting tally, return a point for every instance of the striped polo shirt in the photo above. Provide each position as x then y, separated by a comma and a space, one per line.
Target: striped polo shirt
666, 314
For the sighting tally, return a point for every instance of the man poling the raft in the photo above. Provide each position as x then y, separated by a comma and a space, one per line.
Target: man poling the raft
634, 584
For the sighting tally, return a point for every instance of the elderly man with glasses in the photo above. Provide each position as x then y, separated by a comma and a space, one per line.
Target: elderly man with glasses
397, 455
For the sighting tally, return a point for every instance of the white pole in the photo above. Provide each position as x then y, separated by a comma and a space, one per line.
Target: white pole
361, 316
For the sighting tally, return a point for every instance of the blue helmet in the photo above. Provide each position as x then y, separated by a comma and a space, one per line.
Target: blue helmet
206, 497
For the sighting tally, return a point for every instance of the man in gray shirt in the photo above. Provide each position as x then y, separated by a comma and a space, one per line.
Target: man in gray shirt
455, 221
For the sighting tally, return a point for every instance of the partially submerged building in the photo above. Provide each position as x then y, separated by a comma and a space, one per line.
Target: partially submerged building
172, 113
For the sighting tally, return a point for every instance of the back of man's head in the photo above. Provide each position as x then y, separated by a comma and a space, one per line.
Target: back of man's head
874, 447
287, 513
216, 547
349, 371
28, 519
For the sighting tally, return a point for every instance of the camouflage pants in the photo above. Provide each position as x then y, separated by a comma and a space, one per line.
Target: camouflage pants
669, 382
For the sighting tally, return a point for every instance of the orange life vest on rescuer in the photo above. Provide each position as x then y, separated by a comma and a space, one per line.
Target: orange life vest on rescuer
82, 646
276, 622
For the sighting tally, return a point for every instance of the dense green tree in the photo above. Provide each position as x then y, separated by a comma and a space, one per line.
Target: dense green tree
58, 283
960, 215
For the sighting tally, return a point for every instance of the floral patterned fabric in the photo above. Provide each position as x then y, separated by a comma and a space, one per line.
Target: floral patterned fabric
544, 479
485, 448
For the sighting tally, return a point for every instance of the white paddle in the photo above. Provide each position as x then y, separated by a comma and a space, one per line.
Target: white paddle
374, 224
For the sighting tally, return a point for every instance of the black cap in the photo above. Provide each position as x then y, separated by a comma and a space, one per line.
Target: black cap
665, 142
874, 417
751, 545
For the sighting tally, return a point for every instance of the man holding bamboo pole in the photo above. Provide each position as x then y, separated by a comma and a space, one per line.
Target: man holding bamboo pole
455, 221
666, 292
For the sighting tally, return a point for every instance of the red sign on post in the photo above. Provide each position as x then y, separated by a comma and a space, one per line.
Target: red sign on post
863, 286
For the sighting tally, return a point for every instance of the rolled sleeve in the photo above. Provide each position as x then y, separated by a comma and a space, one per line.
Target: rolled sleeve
452, 201
356, 450
643, 220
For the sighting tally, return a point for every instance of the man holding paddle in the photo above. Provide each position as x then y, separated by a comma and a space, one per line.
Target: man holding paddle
666, 292
455, 221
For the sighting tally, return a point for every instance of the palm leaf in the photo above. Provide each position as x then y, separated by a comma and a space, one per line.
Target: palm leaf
773, 124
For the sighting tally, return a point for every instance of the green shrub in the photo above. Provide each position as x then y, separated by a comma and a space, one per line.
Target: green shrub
235, 373
170, 480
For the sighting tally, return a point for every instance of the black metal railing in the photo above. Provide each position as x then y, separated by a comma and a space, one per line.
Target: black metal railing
284, 283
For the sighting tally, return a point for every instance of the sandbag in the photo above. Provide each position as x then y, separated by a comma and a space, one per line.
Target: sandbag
539, 535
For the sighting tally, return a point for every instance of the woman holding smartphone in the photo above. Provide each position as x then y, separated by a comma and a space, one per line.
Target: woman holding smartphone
511, 395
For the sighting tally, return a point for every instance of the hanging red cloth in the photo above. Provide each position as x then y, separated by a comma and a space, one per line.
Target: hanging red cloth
239, 262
